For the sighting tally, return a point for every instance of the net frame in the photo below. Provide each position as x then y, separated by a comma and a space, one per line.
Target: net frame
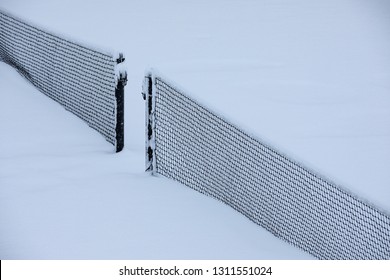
83, 80
285, 197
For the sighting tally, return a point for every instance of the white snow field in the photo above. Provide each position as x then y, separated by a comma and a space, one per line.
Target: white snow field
312, 78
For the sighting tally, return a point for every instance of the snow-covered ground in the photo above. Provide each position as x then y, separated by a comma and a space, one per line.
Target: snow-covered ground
312, 78
64, 194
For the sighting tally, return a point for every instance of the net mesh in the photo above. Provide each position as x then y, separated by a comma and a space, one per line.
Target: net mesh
81, 79
203, 151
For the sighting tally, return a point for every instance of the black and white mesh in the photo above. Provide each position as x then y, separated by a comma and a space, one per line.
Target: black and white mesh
192, 145
81, 79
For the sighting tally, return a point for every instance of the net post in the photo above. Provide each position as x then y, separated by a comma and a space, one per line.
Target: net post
148, 95
119, 96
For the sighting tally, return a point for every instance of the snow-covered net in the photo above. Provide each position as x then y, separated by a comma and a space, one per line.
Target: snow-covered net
83, 80
191, 144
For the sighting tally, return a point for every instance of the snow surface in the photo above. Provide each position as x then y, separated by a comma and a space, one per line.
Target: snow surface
312, 78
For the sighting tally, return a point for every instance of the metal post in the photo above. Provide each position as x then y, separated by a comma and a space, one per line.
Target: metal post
149, 133
119, 95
